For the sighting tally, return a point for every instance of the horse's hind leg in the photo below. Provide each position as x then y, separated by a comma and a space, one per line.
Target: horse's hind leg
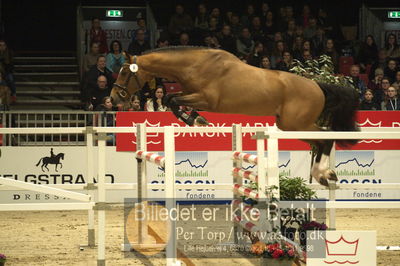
320, 169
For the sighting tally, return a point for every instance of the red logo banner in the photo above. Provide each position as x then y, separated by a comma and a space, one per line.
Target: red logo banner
223, 141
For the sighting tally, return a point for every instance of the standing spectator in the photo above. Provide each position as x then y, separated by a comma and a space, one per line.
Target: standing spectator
256, 54
391, 46
396, 83
227, 40
326, 23
7, 66
391, 102
180, 22
140, 45
287, 62
265, 62
5, 94
303, 19
107, 119
141, 23
381, 63
330, 51
248, 16
256, 29
264, 11
357, 82
90, 77
97, 34
98, 92
390, 70
244, 44
90, 58
289, 34
115, 59
367, 102
156, 102
368, 53
311, 29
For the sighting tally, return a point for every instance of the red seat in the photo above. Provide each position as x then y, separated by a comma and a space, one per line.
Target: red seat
172, 87
345, 62
364, 77
368, 69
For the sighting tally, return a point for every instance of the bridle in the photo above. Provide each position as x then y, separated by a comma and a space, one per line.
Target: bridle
123, 89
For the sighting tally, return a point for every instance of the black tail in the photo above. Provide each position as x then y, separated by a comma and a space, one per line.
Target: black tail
341, 104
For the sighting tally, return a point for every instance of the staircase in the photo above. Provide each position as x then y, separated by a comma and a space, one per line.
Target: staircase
46, 82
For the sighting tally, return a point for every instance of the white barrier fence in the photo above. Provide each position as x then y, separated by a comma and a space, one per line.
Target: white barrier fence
171, 187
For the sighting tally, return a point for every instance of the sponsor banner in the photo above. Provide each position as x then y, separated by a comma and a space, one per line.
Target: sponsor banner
341, 247
68, 166
223, 141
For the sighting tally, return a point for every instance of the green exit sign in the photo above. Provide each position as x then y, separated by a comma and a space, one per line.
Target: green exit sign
114, 13
393, 14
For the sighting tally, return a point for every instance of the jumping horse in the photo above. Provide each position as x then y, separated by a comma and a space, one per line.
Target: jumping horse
217, 81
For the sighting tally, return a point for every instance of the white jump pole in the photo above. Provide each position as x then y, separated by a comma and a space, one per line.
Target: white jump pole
237, 145
101, 199
332, 189
90, 185
170, 193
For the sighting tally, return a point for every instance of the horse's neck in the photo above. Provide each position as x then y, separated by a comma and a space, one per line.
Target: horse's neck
168, 65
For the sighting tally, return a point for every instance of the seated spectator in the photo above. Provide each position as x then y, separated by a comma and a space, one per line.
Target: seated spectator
256, 29
396, 83
162, 42
318, 41
201, 19
311, 29
392, 48
256, 55
367, 102
382, 92
5, 94
236, 26
107, 119
213, 27
306, 55
289, 34
304, 18
307, 46
390, 70
211, 42
90, 58
97, 34
248, 15
391, 103
330, 51
115, 59
139, 45
381, 63
135, 103
270, 44
184, 39
244, 44
325, 22
227, 40
179, 22
376, 83
357, 82
298, 47
7, 67
156, 102
269, 26
287, 62
98, 93
90, 77
265, 62
216, 13
277, 53
264, 10
368, 53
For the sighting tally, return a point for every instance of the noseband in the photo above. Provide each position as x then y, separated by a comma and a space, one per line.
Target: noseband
123, 89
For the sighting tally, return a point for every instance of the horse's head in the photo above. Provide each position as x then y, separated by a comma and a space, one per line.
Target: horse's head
130, 79
61, 155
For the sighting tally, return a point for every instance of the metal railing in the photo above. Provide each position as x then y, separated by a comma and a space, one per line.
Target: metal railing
53, 119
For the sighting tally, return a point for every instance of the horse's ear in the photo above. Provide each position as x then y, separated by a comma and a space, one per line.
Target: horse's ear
127, 57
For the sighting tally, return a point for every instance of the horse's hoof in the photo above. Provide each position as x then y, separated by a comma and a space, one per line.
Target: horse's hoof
323, 181
332, 175
200, 121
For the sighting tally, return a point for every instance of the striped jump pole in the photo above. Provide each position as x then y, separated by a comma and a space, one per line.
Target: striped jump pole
237, 172
151, 157
246, 157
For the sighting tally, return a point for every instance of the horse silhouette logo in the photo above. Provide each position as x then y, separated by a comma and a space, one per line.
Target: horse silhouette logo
53, 159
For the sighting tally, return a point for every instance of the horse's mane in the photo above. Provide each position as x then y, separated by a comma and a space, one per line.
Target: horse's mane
169, 49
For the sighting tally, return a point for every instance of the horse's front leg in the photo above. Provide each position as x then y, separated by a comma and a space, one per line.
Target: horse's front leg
321, 169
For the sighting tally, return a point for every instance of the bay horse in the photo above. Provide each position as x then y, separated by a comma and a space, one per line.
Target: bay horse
51, 160
217, 81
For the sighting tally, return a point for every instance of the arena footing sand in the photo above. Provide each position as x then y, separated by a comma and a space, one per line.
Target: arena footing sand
53, 238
